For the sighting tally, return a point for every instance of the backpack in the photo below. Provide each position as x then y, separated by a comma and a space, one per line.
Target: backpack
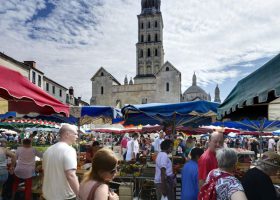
208, 190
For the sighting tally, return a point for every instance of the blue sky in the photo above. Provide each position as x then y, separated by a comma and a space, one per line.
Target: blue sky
221, 40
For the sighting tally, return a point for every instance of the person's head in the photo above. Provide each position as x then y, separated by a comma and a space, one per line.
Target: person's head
161, 134
68, 133
135, 136
190, 139
216, 141
95, 146
166, 146
196, 153
269, 163
3, 142
227, 159
104, 166
126, 135
26, 143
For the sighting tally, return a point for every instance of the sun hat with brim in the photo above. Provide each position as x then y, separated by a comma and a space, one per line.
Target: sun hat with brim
3, 140
271, 158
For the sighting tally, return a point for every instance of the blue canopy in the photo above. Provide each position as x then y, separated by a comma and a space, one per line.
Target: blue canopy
89, 114
276, 133
86, 114
250, 125
179, 113
7, 115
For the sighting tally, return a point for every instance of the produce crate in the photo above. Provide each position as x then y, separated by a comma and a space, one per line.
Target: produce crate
126, 191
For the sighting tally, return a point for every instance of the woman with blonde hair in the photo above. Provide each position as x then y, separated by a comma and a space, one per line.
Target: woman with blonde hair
95, 183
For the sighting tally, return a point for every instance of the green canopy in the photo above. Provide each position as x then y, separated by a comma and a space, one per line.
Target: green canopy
22, 125
258, 86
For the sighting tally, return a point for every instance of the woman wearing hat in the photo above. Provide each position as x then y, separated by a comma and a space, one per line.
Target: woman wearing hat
257, 183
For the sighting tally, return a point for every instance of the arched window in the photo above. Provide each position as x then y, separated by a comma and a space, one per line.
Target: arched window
141, 70
149, 70
149, 24
149, 38
167, 87
149, 53
118, 104
142, 38
102, 74
156, 24
156, 38
144, 100
102, 90
167, 69
141, 53
156, 52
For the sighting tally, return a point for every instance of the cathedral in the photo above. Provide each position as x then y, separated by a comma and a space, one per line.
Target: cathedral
156, 81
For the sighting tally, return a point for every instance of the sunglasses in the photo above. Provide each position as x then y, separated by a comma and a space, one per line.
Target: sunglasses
116, 169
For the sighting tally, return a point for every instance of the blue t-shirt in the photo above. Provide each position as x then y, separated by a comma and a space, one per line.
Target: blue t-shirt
190, 187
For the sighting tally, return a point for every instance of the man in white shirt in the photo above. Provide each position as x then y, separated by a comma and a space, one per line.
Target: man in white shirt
132, 148
164, 177
271, 144
60, 165
158, 141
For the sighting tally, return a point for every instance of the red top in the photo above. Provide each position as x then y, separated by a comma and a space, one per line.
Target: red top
124, 143
206, 163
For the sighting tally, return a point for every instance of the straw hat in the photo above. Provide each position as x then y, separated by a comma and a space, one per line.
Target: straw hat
271, 158
3, 140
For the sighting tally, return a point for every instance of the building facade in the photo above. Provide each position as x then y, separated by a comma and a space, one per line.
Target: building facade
37, 77
155, 81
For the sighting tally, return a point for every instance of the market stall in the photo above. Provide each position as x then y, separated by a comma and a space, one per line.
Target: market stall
19, 95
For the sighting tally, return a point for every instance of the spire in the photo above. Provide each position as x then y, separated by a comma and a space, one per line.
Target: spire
125, 80
150, 6
194, 79
217, 94
130, 82
209, 97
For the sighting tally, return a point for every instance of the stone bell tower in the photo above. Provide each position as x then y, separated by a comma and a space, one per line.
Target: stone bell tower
149, 48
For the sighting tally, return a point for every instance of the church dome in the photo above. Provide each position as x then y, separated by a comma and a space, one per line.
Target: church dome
194, 89
195, 92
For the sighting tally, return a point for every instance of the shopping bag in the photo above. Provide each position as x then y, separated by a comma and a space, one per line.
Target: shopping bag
164, 197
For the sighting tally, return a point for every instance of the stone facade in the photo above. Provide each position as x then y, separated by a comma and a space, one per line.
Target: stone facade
37, 77
155, 81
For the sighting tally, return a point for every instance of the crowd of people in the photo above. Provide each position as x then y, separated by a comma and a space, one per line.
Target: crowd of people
207, 174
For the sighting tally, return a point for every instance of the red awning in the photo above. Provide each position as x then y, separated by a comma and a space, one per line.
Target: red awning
24, 97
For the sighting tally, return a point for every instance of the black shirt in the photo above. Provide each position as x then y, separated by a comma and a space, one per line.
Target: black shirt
258, 185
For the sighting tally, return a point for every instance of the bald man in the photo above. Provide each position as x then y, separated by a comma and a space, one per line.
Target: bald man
60, 165
208, 160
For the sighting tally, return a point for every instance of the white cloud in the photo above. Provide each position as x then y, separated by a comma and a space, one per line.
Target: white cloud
78, 37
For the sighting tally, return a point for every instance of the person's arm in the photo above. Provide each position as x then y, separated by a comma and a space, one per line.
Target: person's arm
38, 153
103, 193
73, 180
203, 166
239, 195
12, 156
163, 181
13, 160
132, 150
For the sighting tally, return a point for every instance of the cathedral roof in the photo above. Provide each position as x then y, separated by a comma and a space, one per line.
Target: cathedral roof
101, 69
169, 65
194, 89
